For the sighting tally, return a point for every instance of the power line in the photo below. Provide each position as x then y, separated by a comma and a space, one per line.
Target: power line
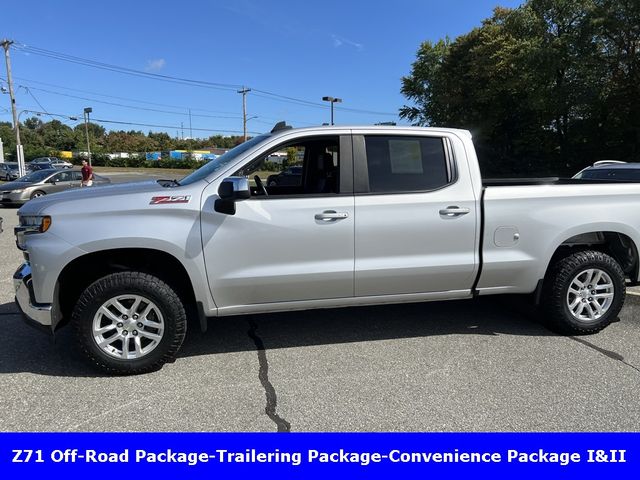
122, 98
37, 101
140, 101
133, 107
118, 122
186, 81
125, 70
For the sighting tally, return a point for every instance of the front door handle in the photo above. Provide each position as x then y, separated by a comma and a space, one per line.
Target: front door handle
453, 211
331, 216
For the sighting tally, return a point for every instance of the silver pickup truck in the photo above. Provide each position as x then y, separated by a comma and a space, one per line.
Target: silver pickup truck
379, 215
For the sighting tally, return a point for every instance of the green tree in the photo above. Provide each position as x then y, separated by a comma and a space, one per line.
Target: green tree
545, 88
57, 135
8, 140
33, 123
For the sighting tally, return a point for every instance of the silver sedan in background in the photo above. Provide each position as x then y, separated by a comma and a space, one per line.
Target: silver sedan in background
9, 171
44, 182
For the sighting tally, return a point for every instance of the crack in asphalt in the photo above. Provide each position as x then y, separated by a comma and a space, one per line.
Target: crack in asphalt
263, 375
607, 353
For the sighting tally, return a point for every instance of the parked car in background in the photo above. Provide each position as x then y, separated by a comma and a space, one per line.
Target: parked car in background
9, 171
43, 182
40, 166
611, 170
53, 161
291, 176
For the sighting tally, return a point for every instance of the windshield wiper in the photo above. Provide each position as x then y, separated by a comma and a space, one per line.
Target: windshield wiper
169, 183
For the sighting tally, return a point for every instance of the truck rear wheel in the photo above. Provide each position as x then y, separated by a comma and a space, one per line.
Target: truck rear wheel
584, 293
129, 323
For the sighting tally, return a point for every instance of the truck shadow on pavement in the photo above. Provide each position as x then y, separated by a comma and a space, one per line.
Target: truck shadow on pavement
22, 349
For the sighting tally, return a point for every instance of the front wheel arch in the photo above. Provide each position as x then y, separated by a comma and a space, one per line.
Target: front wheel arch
86, 269
37, 193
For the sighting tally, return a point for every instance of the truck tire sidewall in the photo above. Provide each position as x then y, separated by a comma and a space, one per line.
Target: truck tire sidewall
137, 284
564, 273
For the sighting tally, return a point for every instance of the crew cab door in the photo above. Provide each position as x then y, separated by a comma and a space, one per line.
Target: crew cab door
416, 217
295, 244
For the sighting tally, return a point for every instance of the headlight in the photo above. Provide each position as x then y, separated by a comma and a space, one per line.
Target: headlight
29, 225
35, 223
19, 190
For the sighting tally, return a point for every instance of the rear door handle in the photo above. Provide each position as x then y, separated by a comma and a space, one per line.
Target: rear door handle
453, 211
331, 216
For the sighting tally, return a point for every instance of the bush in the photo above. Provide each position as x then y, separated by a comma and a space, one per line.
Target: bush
103, 160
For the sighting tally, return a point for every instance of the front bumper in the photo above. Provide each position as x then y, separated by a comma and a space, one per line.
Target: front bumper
14, 197
40, 314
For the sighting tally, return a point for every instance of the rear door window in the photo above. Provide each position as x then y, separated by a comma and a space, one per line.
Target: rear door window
406, 164
62, 177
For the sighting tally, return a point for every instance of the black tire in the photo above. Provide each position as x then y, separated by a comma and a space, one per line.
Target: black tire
555, 302
38, 193
134, 283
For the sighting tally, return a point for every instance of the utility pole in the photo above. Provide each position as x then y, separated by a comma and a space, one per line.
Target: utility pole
190, 144
182, 130
20, 153
87, 111
244, 92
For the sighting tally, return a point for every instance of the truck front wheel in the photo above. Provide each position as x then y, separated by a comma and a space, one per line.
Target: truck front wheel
584, 293
129, 323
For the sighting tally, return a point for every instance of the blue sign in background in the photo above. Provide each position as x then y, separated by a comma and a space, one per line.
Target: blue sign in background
59, 454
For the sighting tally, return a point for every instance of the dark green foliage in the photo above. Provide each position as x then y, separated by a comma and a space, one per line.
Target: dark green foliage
546, 88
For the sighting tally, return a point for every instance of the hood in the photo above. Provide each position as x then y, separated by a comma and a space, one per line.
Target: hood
5, 187
92, 196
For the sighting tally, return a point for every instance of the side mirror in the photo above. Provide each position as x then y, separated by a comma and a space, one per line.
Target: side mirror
231, 190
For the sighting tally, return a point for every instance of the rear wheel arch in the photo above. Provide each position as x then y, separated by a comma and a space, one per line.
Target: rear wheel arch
619, 246
583, 292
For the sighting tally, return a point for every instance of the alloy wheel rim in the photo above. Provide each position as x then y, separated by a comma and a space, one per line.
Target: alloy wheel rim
590, 295
128, 327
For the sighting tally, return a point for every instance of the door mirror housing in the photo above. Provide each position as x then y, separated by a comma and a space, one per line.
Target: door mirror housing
231, 190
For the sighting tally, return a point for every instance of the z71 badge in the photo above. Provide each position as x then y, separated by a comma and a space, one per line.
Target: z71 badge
164, 199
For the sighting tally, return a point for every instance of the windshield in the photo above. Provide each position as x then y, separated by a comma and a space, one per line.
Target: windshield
36, 176
223, 160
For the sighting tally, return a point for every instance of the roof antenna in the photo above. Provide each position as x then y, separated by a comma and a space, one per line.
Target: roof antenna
281, 126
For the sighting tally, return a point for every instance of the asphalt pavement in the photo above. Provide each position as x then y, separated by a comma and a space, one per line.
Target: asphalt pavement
477, 365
